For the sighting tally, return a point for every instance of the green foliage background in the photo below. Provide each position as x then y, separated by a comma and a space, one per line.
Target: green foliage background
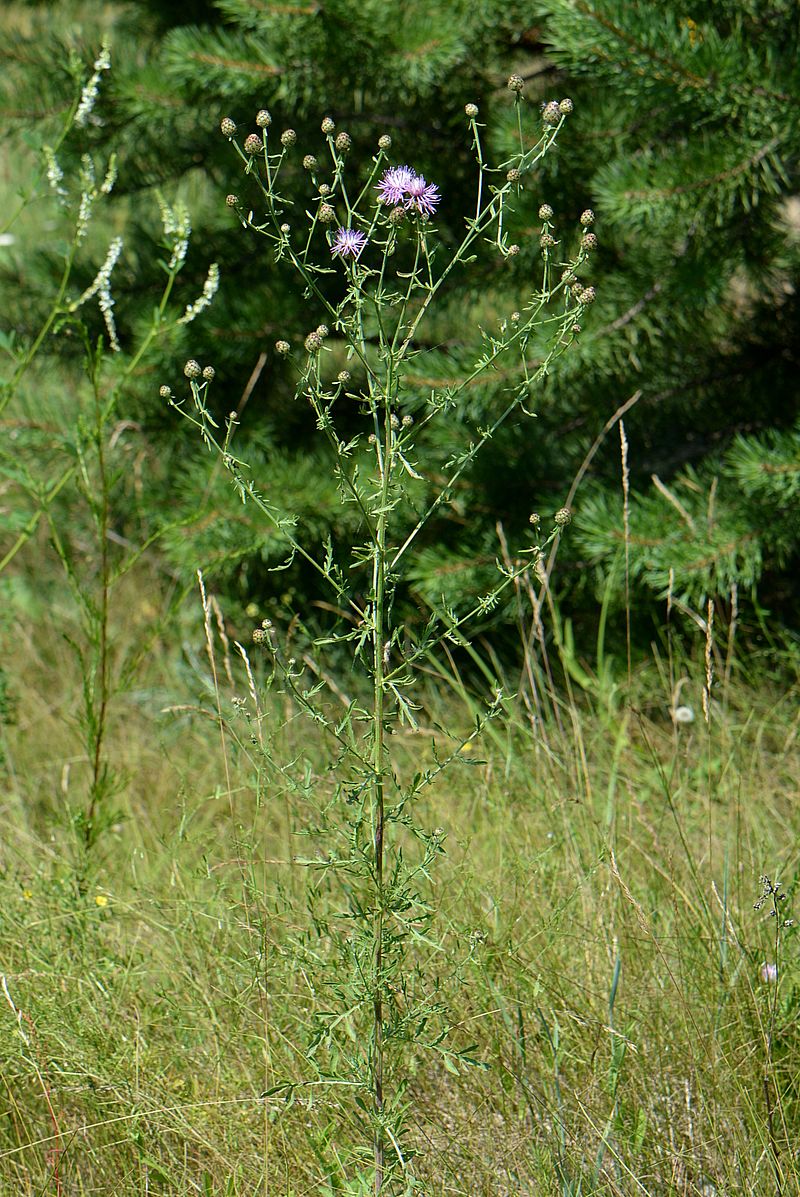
685, 142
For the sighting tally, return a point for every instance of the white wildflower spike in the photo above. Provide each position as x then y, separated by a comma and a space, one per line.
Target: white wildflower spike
88, 196
92, 87
102, 288
55, 174
210, 288
107, 186
177, 227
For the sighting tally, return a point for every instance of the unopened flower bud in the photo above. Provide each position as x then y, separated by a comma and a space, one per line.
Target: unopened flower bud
227, 126
551, 113
471, 110
512, 251
588, 242
165, 392
313, 342
343, 376
253, 144
288, 137
322, 331
263, 119
326, 213
563, 517
566, 106
192, 369
534, 519
407, 421
208, 374
328, 125
231, 200
545, 212
513, 175
515, 317
324, 189
309, 162
282, 347
394, 421
286, 229
515, 83
587, 295
259, 636
343, 142
547, 241
384, 142
587, 217
397, 215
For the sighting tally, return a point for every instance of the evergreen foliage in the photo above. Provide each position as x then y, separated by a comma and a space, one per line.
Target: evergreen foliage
685, 143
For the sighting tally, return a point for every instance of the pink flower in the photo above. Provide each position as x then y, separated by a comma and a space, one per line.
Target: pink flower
394, 184
348, 243
400, 185
423, 196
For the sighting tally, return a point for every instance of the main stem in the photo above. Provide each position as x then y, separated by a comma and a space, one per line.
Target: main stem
379, 642
100, 713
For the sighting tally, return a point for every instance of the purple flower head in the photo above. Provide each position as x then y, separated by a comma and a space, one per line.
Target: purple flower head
348, 243
423, 196
400, 185
394, 184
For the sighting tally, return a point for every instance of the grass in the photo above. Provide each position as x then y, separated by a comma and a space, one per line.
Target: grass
596, 944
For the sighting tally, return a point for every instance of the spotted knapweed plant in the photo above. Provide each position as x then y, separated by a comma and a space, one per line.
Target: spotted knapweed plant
364, 248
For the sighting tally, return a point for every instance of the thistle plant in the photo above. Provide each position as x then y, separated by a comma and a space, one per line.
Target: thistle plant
363, 247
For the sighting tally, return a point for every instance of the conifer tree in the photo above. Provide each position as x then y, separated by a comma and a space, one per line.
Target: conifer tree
685, 145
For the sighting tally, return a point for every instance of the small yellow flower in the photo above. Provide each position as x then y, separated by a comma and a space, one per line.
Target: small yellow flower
468, 747
27, 894
100, 900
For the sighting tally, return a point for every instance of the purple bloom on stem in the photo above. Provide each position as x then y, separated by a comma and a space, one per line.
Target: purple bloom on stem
423, 196
402, 185
348, 243
394, 184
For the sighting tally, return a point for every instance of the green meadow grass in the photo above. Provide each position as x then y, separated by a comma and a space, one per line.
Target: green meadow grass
595, 939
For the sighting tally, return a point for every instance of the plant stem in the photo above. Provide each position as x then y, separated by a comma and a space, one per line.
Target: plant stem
380, 640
